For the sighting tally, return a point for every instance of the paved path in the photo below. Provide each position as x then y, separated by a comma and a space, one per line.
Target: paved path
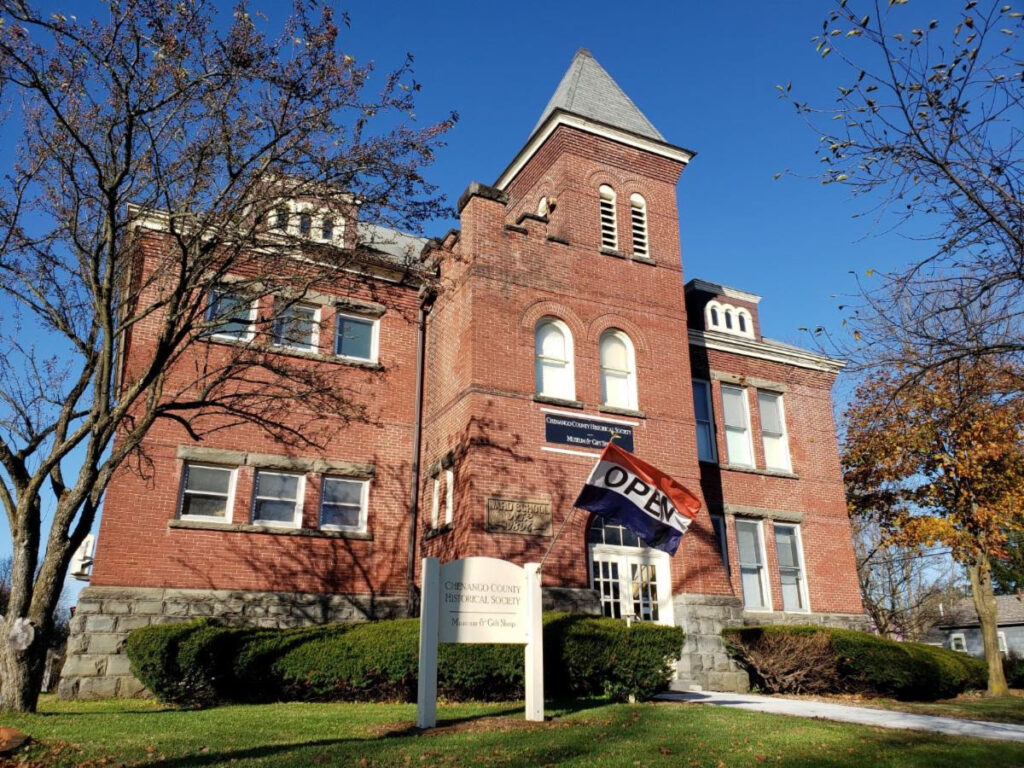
882, 718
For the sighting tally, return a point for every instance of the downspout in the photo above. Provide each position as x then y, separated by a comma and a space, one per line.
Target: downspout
412, 600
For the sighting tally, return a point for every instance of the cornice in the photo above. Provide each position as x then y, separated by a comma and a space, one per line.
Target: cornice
786, 355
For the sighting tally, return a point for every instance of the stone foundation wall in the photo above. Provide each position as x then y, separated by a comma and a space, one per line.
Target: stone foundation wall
857, 621
97, 666
704, 663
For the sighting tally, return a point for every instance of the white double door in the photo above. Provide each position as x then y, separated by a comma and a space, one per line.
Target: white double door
633, 582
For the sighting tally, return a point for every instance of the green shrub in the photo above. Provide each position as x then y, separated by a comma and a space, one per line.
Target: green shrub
861, 663
201, 662
1013, 668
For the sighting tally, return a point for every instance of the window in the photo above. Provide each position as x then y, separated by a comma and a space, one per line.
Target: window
444, 487
297, 326
343, 504
231, 312
751, 551
957, 642
327, 229
609, 228
727, 318
356, 338
281, 218
721, 538
207, 492
554, 370
277, 499
705, 423
631, 578
638, 218
791, 567
618, 370
773, 431
737, 425
305, 224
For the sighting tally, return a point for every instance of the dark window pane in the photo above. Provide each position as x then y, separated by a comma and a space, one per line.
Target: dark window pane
355, 338
209, 479
208, 506
231, 312
305, 224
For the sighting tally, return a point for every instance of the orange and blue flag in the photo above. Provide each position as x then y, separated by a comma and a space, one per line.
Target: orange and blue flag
626, 490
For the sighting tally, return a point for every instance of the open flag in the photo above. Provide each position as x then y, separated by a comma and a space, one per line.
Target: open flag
625, 490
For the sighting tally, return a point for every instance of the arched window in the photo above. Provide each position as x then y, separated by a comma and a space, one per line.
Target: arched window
728, 319
609, 228
714, 317
618, 370
638, 217
553, 350
631, 578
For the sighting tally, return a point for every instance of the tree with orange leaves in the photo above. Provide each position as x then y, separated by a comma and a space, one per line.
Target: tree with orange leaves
938, 458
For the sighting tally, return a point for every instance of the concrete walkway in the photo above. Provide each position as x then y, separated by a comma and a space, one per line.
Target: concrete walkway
881, 718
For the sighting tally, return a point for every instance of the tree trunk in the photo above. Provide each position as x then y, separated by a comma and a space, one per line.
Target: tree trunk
980, 576
21, 672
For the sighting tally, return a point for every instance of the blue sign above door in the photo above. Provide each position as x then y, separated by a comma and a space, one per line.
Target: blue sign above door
581, 432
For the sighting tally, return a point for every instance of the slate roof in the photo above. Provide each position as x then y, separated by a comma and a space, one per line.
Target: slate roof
588, 91
1009, 608
398, 247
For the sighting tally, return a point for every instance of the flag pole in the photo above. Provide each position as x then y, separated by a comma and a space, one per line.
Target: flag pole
615, 436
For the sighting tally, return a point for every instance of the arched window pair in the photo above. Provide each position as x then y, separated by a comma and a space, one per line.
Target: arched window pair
637, 219
556, 378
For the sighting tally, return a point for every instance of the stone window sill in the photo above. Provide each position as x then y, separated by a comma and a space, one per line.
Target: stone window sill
756, 471
197, 525
645, 260
613, 252
622, 411
441, 530
578, 404
304, 354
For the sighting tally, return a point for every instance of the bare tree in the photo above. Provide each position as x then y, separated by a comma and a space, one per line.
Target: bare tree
161, 116
928, 129
902, 587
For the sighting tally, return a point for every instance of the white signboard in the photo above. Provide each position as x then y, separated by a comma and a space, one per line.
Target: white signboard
480, 600
483, 600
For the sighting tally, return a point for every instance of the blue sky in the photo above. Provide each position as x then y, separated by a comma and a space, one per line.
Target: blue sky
704, 74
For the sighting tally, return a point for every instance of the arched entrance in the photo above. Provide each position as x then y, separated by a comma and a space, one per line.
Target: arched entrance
633, 580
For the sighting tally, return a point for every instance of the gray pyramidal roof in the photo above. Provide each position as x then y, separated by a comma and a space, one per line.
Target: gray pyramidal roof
588, 91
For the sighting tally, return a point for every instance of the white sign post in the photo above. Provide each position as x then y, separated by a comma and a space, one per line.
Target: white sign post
479, 600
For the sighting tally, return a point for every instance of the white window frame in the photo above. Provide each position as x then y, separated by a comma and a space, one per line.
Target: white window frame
801, 583
783, 436
631, 395
608, 218
570, 393
449, 498
638, 226
374, 337
714, 319
229, 503
958, 636
314, 344
208, 315
747, 430
712, 437
300, 491
364, 493
624, 557
762, 568
316, 229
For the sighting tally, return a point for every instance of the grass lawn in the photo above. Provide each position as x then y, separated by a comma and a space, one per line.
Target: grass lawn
589, 733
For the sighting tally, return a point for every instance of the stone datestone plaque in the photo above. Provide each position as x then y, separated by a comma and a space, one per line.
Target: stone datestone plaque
522, 516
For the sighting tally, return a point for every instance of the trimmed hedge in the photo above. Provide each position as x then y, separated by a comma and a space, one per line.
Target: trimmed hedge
201, 662
860, 663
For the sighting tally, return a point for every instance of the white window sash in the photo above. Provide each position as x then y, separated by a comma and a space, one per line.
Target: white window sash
373, 322
300, 487
229, 501
360, 527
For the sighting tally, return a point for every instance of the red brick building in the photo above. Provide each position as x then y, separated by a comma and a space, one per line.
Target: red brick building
490, 366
